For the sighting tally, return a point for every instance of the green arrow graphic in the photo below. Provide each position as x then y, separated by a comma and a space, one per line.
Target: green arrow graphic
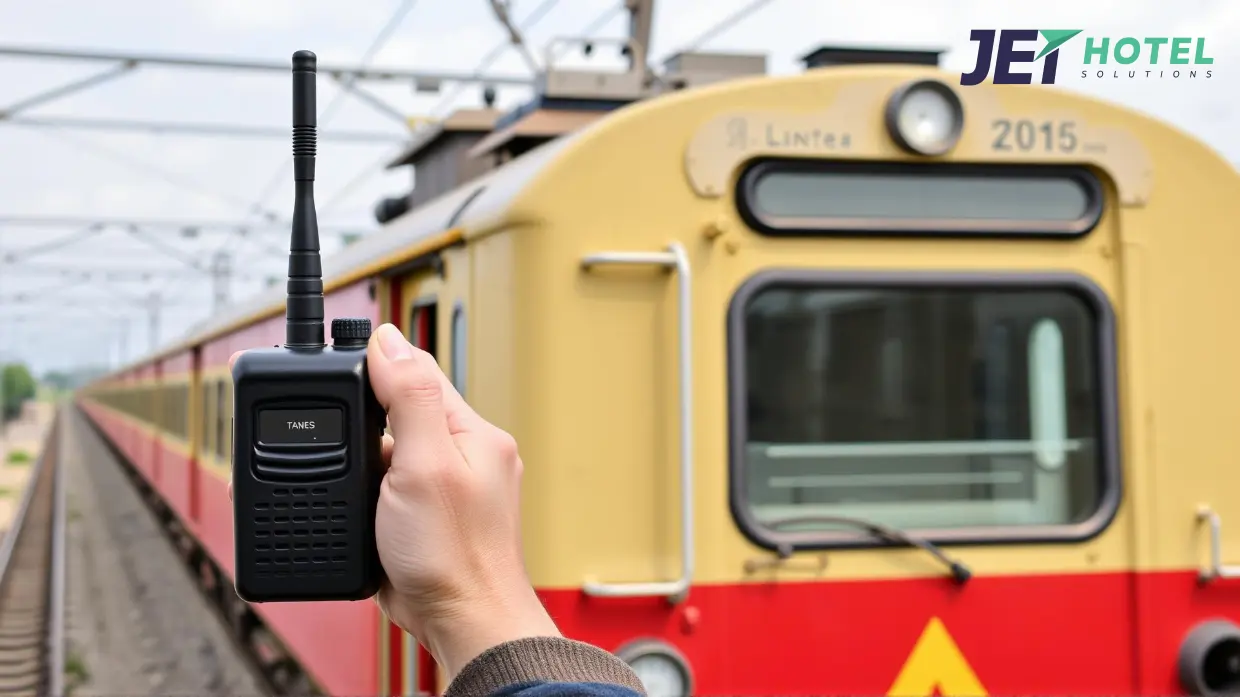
1056, 38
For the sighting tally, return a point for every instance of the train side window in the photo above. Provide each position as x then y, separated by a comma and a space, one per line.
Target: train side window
228, 414
168, 410
459, 352
182, 403
967, 412
174, 406
221, 421
207, 421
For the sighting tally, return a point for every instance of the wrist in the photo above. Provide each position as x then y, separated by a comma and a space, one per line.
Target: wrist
456, 638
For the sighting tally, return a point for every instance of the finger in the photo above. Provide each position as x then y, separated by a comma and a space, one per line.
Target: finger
407, 384
455, 403
385, 448
230, 495
461, 417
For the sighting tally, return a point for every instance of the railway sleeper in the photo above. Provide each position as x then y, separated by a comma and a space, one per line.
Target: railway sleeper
28, 655
26, 683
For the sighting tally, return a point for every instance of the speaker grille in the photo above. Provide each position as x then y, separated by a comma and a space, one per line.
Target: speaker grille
301, 533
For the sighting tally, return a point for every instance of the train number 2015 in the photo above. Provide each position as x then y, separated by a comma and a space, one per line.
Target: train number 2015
1026, 136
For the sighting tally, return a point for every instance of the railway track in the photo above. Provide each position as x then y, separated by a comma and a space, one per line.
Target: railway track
32, 583
219, 599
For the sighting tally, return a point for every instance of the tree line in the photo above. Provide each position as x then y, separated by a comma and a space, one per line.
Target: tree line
19, 387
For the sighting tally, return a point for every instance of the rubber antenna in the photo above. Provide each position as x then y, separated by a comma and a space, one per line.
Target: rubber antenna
304, 315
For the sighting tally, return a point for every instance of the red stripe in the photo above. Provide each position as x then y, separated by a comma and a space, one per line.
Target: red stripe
1062, 634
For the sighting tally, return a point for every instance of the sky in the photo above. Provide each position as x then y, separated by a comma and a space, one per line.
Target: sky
85, 175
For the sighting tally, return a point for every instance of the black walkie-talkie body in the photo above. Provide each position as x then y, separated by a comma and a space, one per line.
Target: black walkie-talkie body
307, 428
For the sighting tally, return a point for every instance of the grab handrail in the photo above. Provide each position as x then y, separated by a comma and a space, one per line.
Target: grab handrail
1217, 569
674, 258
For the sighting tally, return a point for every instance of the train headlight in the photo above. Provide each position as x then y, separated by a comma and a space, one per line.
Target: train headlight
925, 117
662, 670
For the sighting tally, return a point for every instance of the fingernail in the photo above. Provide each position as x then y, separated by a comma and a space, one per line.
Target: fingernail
393, 344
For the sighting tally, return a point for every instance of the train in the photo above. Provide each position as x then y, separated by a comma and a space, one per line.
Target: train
854, 380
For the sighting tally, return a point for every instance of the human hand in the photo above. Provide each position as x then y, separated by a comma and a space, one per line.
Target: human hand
448, 520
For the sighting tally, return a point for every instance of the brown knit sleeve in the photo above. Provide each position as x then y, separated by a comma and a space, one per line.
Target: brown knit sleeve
541, 659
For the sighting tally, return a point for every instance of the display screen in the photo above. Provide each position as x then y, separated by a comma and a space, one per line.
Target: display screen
300, 426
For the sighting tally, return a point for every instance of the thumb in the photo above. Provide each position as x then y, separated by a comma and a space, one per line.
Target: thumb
408, 383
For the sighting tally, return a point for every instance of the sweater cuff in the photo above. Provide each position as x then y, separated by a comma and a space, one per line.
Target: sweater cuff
541, 659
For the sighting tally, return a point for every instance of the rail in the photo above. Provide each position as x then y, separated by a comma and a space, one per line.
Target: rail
674, 258
32, 580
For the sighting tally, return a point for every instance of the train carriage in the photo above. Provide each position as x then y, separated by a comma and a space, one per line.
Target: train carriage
850, 381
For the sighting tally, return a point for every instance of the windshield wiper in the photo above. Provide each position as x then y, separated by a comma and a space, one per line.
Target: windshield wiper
960, 572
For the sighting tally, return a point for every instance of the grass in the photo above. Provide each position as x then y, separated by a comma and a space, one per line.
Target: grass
19, 457
76, 672
6, 491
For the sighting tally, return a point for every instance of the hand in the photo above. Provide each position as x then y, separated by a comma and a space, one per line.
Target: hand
448, 520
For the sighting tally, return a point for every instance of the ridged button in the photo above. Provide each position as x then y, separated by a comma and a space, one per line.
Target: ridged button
350, 331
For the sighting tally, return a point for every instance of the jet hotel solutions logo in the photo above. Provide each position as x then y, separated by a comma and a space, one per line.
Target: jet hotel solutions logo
1151, 57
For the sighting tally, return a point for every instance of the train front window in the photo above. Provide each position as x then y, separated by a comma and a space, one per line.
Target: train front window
950, 410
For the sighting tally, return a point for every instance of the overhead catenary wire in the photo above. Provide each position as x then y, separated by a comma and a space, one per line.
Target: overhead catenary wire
377, 43
158, 245
172, 128
724, 24
14, 255
446, 102
256, 216
385, 33
196, 224
168, 177
494, 54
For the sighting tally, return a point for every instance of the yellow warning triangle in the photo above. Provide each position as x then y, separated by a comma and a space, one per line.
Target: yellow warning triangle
936, 667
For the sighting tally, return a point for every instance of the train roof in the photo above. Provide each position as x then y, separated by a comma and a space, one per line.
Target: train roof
439, 223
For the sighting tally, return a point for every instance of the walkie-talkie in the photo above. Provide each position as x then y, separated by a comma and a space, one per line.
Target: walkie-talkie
307, 428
